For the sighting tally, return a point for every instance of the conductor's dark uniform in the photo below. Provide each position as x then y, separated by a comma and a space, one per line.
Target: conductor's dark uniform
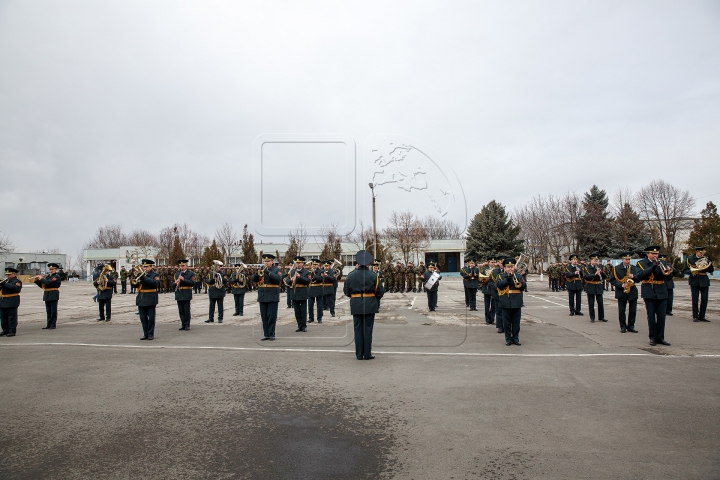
51, 294
364, 288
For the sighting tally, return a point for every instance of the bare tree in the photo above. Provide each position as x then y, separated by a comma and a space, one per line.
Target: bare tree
360, 236
228, 240
300, 236
439, 229
666, 209
622, 196
405, 234
331, 240
5, 243
142, 238
69, 260
536, 227
109, 236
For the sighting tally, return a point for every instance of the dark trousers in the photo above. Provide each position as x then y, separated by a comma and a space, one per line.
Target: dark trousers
51, 311
311, 305
670, 300
591, 305
511, 324
147, 320
301, 312
575, 300
184, 311
268, 314
221, 310
104, 305
432, 299
622, 305
123, 286
329, 302
115, 288
197, 287
472, 292
363, 325
239, 302
467, 296
702, 292
656, 318
9, 319
554, 284
290, 295
498, 314
489, 308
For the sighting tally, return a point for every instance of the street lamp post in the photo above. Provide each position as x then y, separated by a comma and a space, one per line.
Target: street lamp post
372, 189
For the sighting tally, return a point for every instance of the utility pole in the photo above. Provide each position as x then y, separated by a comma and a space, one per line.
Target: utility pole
372, 190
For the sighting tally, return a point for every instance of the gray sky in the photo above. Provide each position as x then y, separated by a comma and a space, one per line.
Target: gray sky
145, 113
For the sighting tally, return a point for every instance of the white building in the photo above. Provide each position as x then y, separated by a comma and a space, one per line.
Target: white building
31, 263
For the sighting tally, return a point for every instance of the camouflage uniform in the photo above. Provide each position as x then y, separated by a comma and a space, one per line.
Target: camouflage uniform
420, 276
399, 277
607, 270
410, 277
389, 275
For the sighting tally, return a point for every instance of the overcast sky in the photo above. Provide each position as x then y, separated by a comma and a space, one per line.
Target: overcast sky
145, 113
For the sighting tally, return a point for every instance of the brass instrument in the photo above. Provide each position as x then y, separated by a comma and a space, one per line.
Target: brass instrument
240, 279
667, 269
629, 282
337, 271
136, 274
3, 281
701, 265
520, 267
102, 279
518, 284
216, 273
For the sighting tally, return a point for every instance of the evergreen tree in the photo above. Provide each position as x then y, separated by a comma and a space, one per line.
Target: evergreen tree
595, 226
211, 253
248, 247
177, 252
291, 252
492, 232
706, 232
629, 232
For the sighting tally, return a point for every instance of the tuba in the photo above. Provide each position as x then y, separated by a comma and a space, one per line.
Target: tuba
520, 267
102, 279
337, 271
701, 265
240, 278
217, 275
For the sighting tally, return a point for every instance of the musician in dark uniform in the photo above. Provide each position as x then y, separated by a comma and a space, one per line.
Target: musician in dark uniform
650, 271
469, 274
184, 284
432, 293
494, 277
619, 277
287, 281
216, 292
316, 292
594, 280
147, 298
105, 296
376, 270
699, 282
329, 286
488, 300
9, 302
573, 282
670, 284
299, 284
268, 280
364, 289
238, 284
51, 294
510, 287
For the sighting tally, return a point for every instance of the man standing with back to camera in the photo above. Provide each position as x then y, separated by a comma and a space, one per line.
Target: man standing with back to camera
364, 288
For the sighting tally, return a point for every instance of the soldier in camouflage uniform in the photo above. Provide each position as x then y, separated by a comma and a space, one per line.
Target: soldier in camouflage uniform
409, 277
554, 274
562, 266
399, 277
607, 270
389, 275
420, 275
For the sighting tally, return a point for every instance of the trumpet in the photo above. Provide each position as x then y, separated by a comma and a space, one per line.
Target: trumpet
137, 274
666, 269
3, 281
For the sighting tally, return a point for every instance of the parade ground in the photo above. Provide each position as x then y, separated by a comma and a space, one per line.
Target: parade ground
444, 398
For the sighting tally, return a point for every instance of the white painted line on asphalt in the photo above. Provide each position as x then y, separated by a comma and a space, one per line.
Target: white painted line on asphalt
328, 350
412, 303
554, 303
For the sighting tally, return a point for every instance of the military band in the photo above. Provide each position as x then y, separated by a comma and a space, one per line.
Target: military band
364, 289
432, 291
316, 292
147, 284
300, 279
594, 279
238, 285
9, 302
510, 286
470, 275
487, 286
330, 285
268, 278
652, 273
105, 283
573, 282
626, 292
